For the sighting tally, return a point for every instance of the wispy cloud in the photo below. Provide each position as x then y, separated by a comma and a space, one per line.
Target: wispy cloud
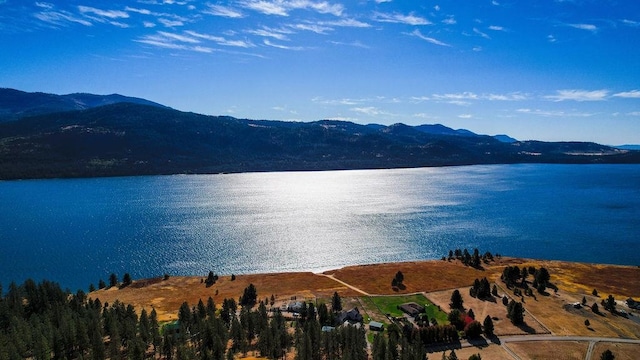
371, 111
465, 116
280, 46
588, 27
410, 19
553, 113
279, 34
139, 11
111, 14
168, 40
578, 95
450, 20
282, 8
353, 43
419, 35
318, 29
60, 18
478, 32
348, 22
224, 11
633, 94
632, 23
221, 40
497, 28
170, 23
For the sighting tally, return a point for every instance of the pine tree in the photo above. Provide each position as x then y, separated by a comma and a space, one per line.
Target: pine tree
488, 326
456, 300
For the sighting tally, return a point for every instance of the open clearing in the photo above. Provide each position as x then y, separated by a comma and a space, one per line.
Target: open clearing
436, 280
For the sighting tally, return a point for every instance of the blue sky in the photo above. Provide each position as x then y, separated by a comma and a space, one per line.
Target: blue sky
546, 70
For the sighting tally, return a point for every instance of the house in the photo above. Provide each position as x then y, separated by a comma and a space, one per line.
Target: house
295, 307
376, 326
411, 308
352, 316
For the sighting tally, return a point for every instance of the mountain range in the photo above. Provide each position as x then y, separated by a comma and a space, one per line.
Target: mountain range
86, 135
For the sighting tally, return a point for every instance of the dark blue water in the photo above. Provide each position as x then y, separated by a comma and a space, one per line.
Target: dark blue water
77, 231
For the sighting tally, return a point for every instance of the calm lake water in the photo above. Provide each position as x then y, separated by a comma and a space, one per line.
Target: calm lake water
77, 231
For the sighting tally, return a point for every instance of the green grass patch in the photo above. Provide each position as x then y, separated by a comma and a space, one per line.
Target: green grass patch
389, 305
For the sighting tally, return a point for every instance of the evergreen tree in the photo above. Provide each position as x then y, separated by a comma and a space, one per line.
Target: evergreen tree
101, 284
607, 355
126, 280
488, 326
113, 280
336, 303
249, 296
456, 300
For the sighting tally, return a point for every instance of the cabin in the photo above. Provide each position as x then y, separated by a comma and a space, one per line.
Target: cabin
352, 316
295, 307
411, 308
376, 326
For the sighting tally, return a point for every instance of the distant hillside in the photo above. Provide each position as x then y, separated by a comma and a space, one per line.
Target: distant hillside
15, 104
134, 139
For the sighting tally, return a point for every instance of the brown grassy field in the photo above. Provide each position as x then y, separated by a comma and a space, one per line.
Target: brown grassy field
573, 280
166, 296
491, 352
542, 350
620, 351
419, 276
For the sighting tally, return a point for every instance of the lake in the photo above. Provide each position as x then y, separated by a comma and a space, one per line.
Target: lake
77, 231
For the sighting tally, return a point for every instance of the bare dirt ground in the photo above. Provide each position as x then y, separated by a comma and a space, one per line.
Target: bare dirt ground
491, 352
542, 350
620, 351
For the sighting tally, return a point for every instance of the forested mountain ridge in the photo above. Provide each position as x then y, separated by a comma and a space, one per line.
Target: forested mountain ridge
15, 104
136, 139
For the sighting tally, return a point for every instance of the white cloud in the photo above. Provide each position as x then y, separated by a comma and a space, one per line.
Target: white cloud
588, 27
633, 94
224, 11
279, 34
630, 22
551, 38
369, 110
553, 113
112, 14
579, 95
60, 18
170, 23
282, 8
475, 30
318, 29
139, 11
419, 35
465, 116
221, 40
634, 113
265, 7
410, 19
181, 38
284, 47
354, 44
174, 41
496, 28
450, 20
382, 1
346, 23
43, 5
119, 24
148, 24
